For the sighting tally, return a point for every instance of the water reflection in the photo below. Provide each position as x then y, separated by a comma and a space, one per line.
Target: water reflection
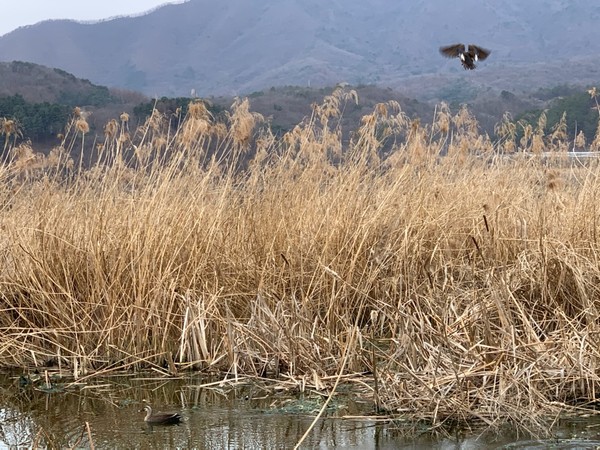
226, 417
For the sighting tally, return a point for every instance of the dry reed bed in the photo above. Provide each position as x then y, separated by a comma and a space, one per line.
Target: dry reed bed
464, 287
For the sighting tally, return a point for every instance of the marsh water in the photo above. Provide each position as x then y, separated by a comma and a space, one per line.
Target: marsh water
49, 412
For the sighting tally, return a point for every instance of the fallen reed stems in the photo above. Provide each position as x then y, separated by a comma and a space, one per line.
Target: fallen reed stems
469, 278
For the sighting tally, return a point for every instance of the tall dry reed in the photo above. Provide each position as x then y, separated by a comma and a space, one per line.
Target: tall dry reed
464, 283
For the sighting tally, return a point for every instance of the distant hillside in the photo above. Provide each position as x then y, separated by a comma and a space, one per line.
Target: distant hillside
41, 99
235, 47
36, 83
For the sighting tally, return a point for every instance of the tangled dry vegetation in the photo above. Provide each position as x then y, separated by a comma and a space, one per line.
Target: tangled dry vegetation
447, 280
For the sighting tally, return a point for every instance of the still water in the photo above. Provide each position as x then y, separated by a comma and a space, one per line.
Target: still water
104, 412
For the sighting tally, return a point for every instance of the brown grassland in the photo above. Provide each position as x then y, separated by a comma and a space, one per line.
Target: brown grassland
444, 277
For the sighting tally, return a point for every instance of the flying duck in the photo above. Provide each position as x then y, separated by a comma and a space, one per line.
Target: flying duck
467, 57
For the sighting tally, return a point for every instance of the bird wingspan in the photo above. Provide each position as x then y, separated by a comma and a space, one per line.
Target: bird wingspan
452, 51
479, 53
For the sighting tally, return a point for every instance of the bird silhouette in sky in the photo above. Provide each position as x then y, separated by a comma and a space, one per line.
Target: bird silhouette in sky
468, 56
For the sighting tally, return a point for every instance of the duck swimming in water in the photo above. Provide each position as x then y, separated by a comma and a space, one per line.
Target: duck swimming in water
161, 418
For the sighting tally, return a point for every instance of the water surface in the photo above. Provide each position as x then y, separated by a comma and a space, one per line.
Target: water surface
228, 416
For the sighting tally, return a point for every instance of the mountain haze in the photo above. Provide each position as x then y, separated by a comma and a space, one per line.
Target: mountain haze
236, 46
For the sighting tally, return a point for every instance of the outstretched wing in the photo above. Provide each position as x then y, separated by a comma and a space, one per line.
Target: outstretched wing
478, 53
452, 51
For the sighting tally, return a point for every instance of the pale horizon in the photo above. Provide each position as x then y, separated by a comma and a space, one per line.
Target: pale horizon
30, 12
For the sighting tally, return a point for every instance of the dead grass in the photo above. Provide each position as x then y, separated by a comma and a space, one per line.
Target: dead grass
461, 284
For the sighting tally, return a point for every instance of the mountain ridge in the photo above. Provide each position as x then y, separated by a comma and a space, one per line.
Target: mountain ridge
236, 47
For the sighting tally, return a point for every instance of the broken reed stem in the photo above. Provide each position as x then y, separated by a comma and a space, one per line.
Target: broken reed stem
89, 433
377, 401
350, 344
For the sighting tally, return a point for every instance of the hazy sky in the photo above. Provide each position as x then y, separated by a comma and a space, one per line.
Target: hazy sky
27, 12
